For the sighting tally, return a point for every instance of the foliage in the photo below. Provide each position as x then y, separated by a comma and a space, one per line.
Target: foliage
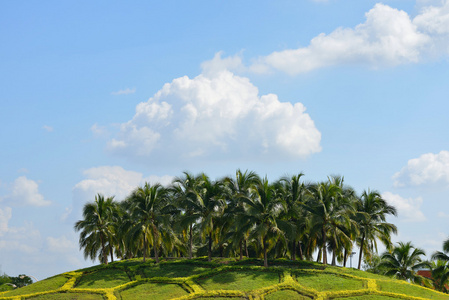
404, 261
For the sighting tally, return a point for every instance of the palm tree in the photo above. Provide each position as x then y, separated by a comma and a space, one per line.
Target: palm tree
293, 194
96, 228
263, 216
329, 211
206, 203
403, 262
440, 273
371, 215
183, 191
238, 188
151, 213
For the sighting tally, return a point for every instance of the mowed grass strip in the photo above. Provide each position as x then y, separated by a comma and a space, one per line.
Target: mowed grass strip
173, 270
68, 296
327, 282
286, 294
366, 297
153, 291
106, 278
48, 284
239, 280
409, 289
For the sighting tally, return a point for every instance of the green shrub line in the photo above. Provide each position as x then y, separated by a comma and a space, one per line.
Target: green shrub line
287, 271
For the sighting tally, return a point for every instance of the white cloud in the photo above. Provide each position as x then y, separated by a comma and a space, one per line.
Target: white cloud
61, 244
108, 181
98, 130
216, 115
5, 216
427, 169
443, 215
47, 128
126, 91
217, 64
26, 192
408, 209
388, 37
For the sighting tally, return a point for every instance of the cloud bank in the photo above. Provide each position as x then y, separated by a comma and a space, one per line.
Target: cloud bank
408, 209
428, 169
108, 181
215, 115
388, 37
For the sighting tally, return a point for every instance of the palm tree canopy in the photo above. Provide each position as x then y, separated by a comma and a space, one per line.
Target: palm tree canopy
404, 261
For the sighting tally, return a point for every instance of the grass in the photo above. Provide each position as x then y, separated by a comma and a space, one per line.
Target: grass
173, 270
328, 282
153, 291
103, 279
49, 284
68, 296
367, 297
239, 280
409, 289
224, 278
286, 294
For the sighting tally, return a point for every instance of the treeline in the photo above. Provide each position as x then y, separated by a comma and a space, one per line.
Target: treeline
235, 217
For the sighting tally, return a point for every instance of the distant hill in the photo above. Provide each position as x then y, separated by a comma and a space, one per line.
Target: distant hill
220, 279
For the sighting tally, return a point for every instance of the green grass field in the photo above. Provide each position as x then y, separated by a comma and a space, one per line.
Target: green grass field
221, 279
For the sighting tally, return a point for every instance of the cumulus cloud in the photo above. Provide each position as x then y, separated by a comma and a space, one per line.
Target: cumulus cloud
26, 192
388, 37
427, 169
215, 115
5, 216
126, 91
109, 181
408, 209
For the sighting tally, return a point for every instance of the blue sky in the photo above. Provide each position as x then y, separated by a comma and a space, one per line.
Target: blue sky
101, 97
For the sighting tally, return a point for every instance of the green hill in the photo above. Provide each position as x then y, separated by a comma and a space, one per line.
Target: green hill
220, 279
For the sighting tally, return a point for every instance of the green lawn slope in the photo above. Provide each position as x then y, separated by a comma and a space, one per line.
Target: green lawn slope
220, 279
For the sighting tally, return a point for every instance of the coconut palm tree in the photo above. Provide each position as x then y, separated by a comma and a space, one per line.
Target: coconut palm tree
206, 203
237, 189
371, 215
151, 213
293, 194
263, 216
183, 190
329, 211
96, 227
440, 272
403, 262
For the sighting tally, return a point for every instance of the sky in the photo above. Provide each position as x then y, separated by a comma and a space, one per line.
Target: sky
102, 96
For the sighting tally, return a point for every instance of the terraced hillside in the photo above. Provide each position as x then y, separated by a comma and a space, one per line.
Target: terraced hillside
221, 279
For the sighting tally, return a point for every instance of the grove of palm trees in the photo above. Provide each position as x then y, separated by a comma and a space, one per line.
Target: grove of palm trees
242, 216
249, 216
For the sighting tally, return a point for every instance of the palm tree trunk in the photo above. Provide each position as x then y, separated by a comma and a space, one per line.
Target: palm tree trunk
241, 249
324, 247
345, 257
103, 250
112, 254
265, 257
333, 258
246, 249
210, 247
318, 257
190, 242
361, 250
294, 250
144, 247
301, 257
156, 246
